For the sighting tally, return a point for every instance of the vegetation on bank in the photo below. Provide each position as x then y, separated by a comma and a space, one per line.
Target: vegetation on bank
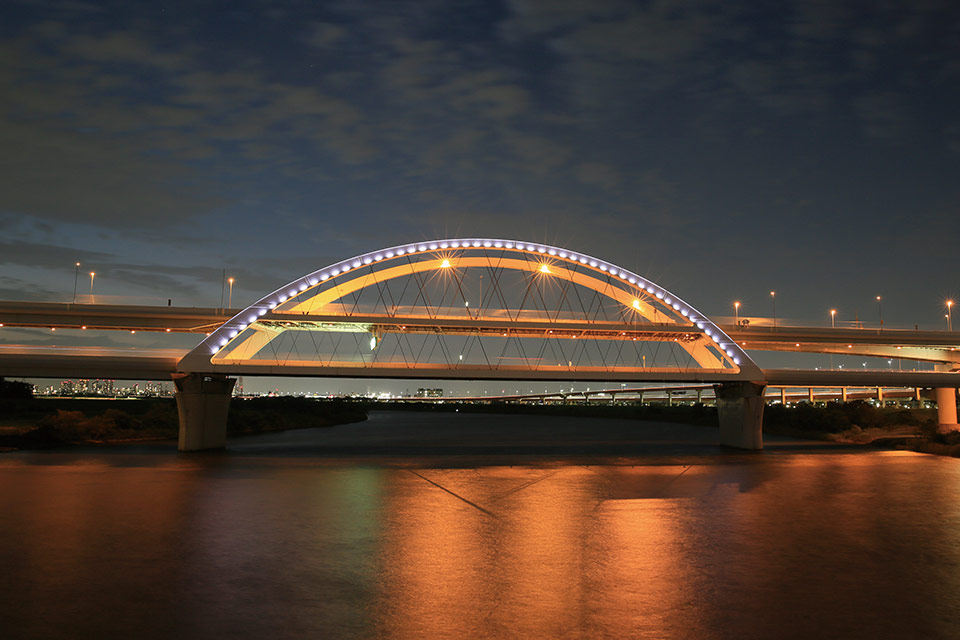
34, 423
38, 423
834, 417
15, 390
860, 422
852, 422
842, 417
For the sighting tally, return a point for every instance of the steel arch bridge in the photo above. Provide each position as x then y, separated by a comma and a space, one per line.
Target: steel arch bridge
474, 308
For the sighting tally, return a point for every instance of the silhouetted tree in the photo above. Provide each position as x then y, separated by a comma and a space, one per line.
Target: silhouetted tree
16, 390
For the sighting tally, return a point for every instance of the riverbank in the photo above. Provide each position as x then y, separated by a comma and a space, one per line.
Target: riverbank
855, 422
54, 422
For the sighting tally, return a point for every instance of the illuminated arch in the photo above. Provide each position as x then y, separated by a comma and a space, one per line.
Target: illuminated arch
319, 301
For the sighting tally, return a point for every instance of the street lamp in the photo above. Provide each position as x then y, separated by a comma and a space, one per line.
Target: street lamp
833, 325
230, 301
76, 275
949, 315
736, 311
92, 275
773, 298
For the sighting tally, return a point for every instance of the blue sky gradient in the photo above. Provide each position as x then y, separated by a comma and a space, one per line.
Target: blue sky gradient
723, 149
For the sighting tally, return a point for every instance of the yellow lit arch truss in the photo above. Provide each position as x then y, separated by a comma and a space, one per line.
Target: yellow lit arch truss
543, 312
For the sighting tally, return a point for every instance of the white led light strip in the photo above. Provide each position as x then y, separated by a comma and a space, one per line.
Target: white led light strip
231, 328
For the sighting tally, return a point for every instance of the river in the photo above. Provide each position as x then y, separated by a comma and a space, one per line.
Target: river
415, 525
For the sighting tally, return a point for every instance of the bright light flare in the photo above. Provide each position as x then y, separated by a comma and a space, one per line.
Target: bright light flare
544, 268
445, 264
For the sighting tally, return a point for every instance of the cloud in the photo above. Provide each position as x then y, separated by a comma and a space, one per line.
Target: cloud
71, 176
19, 289
658, 35
537, 18
951, 134
114, 128
599, 175
125, 48
46, 255
324, 35
883, 116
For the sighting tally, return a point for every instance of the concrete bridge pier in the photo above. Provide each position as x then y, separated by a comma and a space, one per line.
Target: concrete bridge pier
946, 403
946, 409
203, 402
740, 412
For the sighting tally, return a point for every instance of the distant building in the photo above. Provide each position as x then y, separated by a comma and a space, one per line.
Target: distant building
428, 393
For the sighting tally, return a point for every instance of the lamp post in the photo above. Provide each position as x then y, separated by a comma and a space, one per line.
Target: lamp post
230, 301
880, 310
949, 315
736, 312
773, 298
76, 276
833, 325
92, 276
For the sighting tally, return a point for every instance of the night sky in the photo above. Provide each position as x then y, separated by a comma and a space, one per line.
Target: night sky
722, 149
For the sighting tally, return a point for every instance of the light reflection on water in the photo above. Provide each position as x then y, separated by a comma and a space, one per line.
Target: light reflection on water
144, 543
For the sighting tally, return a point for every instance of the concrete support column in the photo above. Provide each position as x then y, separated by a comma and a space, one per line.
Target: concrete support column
203, 402
810, 397
947, 409
740, 412
946, 402
843, 394
880, 396
783, 396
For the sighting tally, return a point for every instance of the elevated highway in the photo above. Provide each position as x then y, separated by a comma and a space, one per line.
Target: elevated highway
65, 315
760, 335
27, 361
907, 344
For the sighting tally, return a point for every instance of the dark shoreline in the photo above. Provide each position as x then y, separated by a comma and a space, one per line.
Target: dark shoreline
58, 422
44, 423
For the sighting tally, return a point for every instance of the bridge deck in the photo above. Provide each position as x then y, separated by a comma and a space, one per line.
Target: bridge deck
23, 361
938, 346
202, 320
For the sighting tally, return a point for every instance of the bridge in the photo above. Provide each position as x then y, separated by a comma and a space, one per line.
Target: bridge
476, 308
759, 335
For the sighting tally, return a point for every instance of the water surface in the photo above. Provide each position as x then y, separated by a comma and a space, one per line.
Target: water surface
459, 526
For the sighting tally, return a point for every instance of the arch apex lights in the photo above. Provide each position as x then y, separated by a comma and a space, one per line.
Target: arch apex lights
473, 308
